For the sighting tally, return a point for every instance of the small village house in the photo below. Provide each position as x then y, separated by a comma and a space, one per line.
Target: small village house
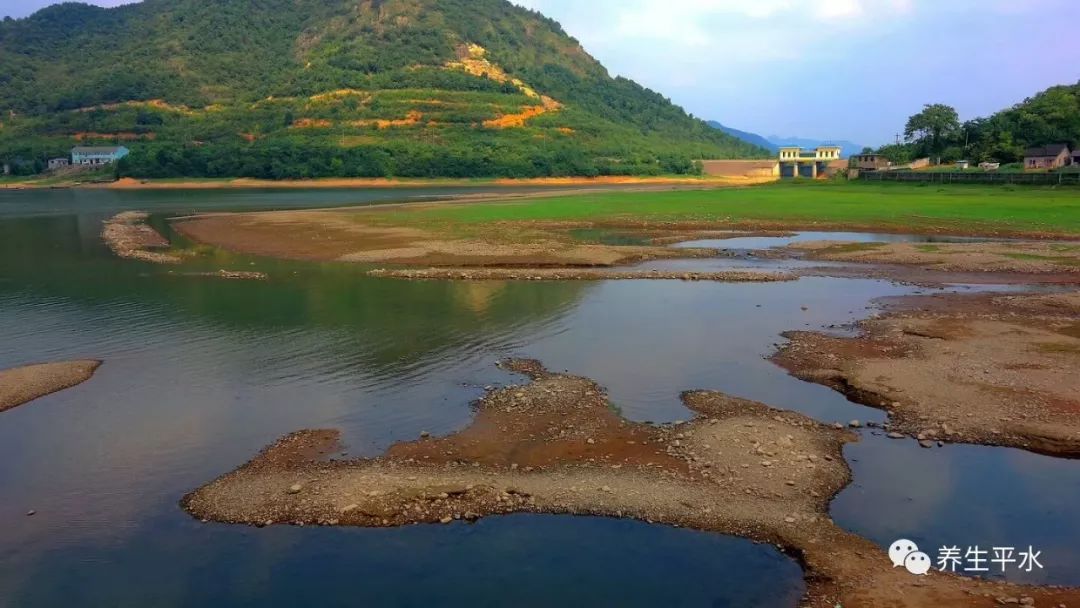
871, 162
58, 163
97, 155
1053, 156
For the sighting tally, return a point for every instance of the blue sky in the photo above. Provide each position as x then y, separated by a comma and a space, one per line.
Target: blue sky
830, 69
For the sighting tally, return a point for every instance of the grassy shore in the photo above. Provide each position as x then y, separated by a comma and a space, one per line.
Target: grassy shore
889, 207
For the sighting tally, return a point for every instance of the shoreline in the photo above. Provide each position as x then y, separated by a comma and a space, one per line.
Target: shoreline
576, 274
128, 235
21, 385
1010, 386
244, 183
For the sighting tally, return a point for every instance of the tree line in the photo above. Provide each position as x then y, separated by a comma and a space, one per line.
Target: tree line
1050, 117
285, 159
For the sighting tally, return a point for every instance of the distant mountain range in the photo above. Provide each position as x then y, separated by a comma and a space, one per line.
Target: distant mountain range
773, 143
746, 136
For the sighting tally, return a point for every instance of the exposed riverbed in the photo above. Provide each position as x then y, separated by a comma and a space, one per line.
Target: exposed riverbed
202, 373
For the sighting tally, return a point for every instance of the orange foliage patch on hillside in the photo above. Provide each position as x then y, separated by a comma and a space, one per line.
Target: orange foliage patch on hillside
473, 59
89, 135
311, 123
566, 130
412, 118
509, 121
248, 137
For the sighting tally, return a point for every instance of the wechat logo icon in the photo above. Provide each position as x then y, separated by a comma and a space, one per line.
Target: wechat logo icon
906, 553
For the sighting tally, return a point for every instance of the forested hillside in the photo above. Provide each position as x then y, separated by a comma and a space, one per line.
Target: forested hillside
312, 88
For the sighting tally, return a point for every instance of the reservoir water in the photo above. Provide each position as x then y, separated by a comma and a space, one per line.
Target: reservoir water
201, 373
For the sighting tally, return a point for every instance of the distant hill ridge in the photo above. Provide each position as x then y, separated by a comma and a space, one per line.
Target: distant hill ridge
308, 88
748, 137
773, 143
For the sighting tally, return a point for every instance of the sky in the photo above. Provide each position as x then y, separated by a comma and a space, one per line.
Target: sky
826, 69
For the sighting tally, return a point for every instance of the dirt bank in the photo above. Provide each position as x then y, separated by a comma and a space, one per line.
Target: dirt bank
555, 445
129, 236
988, 369
20, 385
575, 274
914, 275
355, 236
1027, 257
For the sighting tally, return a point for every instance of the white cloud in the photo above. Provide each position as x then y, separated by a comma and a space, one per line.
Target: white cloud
839, 9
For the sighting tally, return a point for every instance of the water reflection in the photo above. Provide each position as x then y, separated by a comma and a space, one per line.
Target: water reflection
524, 560
963, 495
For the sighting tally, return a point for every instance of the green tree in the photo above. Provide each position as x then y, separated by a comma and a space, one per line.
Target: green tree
933, 128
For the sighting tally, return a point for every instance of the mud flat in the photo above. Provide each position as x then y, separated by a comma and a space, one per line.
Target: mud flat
129, 236
555, 445
575, 274
987, 369
1021, 257
356, 236
928, 277
20, 385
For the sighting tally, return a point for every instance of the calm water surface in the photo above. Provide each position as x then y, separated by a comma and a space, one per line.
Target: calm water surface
201, 373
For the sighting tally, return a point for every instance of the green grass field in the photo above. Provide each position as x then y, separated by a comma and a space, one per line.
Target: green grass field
894, 207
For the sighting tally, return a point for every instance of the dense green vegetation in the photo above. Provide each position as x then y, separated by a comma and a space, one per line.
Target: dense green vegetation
1050, 117
246, 89
901, 207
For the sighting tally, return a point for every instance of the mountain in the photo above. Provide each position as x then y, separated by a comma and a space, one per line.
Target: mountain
306, 88
847, 148
773, 143
748, 137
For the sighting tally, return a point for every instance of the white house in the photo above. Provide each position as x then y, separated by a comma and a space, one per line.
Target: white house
97, 155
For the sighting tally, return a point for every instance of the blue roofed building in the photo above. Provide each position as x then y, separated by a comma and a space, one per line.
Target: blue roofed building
97, 155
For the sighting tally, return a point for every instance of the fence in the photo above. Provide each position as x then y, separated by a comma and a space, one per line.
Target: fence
927, 177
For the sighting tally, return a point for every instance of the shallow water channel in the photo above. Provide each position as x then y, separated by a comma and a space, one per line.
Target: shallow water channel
201, 373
